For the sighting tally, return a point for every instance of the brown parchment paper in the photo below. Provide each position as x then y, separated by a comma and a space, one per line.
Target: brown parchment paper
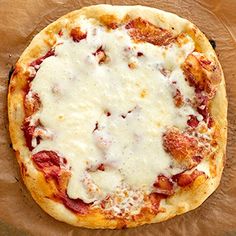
20, 20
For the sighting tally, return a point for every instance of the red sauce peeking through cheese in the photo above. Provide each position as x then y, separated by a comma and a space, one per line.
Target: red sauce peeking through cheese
39, 61
28, 133
192, 121
46, 159
49, 163
75, 205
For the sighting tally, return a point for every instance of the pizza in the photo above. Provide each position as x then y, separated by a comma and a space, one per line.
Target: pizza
117, 115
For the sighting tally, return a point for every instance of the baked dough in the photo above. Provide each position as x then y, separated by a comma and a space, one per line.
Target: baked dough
43, 189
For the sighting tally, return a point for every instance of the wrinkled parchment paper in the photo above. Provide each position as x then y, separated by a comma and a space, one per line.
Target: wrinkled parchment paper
20, 20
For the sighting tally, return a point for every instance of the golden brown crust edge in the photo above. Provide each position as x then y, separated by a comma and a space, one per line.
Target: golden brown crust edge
178, 204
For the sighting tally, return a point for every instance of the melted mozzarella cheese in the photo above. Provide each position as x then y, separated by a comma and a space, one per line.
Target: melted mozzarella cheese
76, 92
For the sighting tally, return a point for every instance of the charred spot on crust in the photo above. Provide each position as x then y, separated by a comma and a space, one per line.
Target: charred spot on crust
17, 180
11, 71
213, 43
124, 226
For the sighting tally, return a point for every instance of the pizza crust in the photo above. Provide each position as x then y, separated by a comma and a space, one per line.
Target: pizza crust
181, 202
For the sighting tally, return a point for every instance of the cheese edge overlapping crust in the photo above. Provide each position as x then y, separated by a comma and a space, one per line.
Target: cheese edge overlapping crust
185, 200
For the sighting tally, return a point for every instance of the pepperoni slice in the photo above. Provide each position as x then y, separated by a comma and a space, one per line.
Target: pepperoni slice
143, 31
163, 185
184, 179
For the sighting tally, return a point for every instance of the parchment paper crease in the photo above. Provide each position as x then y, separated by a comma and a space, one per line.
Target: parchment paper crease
20, 20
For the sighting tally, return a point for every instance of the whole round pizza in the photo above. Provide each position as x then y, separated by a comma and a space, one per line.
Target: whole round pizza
118, 117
